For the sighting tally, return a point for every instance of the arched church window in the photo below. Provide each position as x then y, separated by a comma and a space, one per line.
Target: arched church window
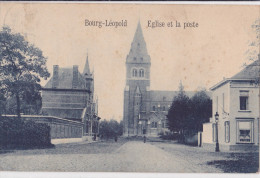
141, 73
134, 74
154, 125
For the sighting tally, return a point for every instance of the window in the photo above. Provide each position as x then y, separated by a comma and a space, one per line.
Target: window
245, 131
227, 131
244, 100
135, 58
154, 125
142, 58
141, 73
163, 125
153, 108
138, 94
134, 73
243, 103
164, 108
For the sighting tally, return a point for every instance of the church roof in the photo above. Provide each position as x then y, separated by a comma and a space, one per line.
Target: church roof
65, 79
138, 52
168, 96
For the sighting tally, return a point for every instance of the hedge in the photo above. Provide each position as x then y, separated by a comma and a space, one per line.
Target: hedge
17, 133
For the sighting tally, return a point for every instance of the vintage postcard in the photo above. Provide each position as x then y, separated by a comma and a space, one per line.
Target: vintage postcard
129, 87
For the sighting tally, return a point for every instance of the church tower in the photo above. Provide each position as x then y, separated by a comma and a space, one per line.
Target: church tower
89, 85
88, 76
136, 94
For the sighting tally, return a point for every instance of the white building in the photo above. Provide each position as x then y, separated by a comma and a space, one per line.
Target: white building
236, 100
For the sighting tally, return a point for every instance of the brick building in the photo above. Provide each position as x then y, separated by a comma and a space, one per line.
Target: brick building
69, 94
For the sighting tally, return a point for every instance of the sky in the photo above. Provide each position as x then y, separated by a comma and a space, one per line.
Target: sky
199, 56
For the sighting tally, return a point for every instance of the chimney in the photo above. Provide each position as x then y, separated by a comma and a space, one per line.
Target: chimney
75, 79
55, 78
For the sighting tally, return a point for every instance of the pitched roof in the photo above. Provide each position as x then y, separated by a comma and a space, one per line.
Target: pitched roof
137, 90
251, 71
65, 79
168, 95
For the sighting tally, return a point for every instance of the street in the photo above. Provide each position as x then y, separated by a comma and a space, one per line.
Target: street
110, 156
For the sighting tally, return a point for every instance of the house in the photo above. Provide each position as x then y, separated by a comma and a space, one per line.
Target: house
236, 100
69, 95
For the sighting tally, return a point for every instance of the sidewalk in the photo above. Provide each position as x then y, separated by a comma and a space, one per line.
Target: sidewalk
65, 140
70, 140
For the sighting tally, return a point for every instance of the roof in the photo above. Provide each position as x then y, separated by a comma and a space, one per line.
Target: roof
65, 79
138, 52
169, 95
249, 73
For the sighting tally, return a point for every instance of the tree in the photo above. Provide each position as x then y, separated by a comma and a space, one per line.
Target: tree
253, 54
2, 103
179, 113
201, 110
22, 65
110, 129
253, 50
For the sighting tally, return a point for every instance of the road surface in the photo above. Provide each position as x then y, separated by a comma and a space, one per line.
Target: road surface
131, 156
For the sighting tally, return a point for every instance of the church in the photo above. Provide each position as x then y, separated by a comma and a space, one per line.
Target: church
145, 110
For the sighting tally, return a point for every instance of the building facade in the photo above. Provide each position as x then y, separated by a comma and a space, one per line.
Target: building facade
69, 95
145, 110
236, 100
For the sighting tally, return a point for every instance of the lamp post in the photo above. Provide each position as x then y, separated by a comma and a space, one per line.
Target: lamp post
217, 144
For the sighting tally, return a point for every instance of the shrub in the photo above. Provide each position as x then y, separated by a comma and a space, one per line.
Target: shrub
16, 133
169, 136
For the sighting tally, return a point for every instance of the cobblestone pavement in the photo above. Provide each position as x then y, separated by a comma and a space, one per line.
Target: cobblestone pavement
131, 156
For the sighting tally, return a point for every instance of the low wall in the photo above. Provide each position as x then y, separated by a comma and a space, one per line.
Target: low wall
60, 128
